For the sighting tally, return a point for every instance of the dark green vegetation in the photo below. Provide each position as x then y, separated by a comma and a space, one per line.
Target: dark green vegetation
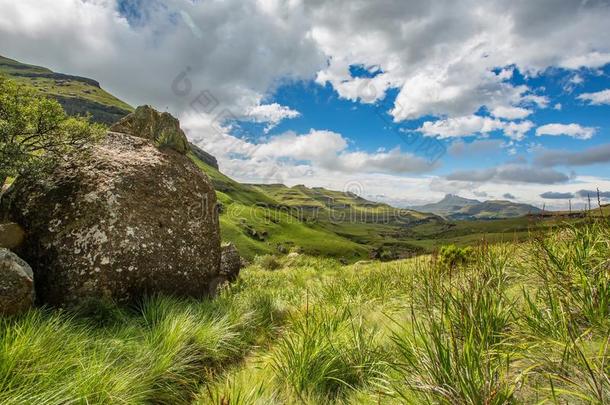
515, 323
77, 95
455, 207
35, 131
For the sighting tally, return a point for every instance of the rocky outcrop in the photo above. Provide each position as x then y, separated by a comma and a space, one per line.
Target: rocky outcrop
204, 156
161, 128
16, 284
129, 220
231, 263
12, 236
100, 112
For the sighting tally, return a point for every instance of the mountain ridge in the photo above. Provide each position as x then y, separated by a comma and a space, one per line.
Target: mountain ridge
459, 208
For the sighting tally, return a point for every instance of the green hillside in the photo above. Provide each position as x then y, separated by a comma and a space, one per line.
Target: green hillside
258, 224
274, 218
78, 95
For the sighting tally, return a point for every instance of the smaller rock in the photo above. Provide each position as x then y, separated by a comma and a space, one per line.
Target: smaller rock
293, 255
161, 128
16, 284
12, 236
230, 263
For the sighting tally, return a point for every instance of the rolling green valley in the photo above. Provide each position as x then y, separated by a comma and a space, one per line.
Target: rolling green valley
295, 202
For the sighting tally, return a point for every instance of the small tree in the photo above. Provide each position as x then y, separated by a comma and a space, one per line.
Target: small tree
35, 131
451, 256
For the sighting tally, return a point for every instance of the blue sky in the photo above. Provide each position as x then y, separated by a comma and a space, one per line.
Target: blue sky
349, 94
370, 127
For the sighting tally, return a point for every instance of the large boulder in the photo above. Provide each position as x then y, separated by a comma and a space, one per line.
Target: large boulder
128, 220
16, 284
161, 128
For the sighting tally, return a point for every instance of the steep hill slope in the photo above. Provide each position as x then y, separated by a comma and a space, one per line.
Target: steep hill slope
259, 224
78, 95
456, 207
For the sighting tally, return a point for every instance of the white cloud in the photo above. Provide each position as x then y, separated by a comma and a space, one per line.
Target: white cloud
572, 130
517, 130
460, 126
315, 145
511, 113
235, 50
589, 60
442, 57
598, 98
314, 151
472, 125
272, 114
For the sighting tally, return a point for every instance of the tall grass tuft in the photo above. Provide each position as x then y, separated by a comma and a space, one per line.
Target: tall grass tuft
453, 350
325, 354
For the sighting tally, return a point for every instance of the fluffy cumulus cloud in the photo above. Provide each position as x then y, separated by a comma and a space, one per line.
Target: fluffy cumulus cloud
168, 52
597, 98
573, 130
510, 113
272, 114
316, 151
442, 56
472, 125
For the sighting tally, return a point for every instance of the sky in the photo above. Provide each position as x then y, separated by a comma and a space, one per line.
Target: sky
396, 100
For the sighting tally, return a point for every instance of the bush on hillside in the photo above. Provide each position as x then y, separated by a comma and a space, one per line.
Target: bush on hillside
35, 131
451, 256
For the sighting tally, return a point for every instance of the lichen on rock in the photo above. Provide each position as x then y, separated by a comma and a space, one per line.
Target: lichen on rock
127, 220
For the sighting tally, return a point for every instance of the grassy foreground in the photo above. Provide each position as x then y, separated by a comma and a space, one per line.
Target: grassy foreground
516, 323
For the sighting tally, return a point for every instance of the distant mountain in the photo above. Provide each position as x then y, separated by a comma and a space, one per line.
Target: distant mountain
456, 207
77, 95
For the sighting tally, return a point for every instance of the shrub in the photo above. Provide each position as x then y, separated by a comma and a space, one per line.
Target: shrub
268, 262
35, 131
451, 256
